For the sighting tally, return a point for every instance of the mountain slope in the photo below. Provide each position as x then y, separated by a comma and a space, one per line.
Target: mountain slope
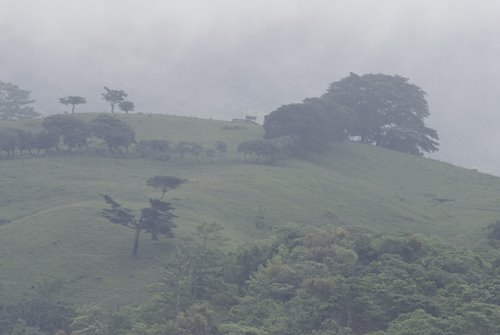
56, 232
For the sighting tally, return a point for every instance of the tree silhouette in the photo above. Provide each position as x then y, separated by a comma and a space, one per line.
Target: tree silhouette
165, 183
389, 110
14, 103
155, 220
126, 106
73, 101
113, 97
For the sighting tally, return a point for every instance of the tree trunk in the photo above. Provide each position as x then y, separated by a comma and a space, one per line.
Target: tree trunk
72, 109
136, 241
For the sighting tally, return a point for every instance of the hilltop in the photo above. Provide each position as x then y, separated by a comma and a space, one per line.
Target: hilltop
55, 231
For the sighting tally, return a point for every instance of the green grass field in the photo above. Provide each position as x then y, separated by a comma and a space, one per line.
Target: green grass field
56, 232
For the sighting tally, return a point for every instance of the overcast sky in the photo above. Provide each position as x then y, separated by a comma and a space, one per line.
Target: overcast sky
226, 58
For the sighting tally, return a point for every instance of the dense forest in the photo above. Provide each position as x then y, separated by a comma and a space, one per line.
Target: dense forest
301, 281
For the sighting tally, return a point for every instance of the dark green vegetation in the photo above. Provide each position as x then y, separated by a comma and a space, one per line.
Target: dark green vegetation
299, 281
155, 220
379, 109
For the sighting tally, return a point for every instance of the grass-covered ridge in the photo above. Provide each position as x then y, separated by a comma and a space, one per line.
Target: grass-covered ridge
56, 233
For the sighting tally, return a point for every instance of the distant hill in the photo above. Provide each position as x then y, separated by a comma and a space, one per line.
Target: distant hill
52, 230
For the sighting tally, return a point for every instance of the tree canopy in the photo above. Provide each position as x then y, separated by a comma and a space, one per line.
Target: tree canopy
378, 109
115, 133
15, 103
113, 97
165, 183
315, 122
74, 132
126, 106
73, 101
390, 112
156, 219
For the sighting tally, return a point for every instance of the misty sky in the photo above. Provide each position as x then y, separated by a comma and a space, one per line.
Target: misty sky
226, 58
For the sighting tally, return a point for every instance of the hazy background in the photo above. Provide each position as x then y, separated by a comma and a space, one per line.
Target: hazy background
225, 58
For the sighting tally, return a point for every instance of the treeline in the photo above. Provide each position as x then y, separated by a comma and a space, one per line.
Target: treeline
64, 129
321, 281
74, 134
268, 150
377, 109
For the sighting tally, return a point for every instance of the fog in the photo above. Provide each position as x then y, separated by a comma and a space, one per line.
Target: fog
223, 59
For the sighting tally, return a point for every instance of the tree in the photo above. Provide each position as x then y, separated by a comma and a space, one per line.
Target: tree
182, 148
73, 131
155, 220
165, 183
73, 101
314, 122
389, 111
221, 147
193, 270
154, 149
207, 274
113, 97
266, 150
9, 139
114, 132
14, 103
26, 141
126, 106
45, 140
89, 320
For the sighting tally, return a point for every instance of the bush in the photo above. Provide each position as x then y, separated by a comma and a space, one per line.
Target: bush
154, 149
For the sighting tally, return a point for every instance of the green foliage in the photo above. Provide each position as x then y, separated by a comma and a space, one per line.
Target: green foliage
237, 329
197, 320
221, 147
14, 103
9, 140
182, 148
314, 123
494, 231
90, 320
73, 101
207, 270
247, 259
154, 149
74, 132
26, 141
165, 183
12, 139
46, 140
126, 106
194, 273
390, 111
42, 312
113, 97
268, 150
115, 133
313, 284
318, 281
155, 220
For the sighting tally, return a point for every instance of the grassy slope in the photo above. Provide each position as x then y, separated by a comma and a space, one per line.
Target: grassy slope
57, 234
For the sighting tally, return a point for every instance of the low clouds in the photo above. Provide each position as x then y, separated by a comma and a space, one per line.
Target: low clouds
222, 59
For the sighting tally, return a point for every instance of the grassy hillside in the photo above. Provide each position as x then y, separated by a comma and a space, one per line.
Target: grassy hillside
56, 233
